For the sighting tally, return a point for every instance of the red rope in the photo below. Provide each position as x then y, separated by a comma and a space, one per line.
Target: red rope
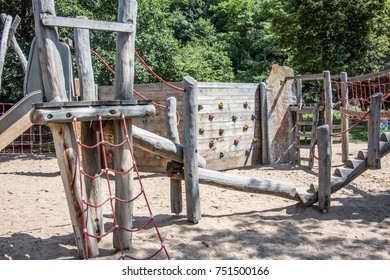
105, 174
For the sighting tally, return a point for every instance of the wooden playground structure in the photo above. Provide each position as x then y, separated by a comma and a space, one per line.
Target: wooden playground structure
217, 133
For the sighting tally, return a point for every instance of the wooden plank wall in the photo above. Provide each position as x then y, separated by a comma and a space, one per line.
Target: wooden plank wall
239, 100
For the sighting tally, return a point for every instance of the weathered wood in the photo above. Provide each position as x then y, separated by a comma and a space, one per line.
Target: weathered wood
324, 167
328, 99
84, 23
63, 134
344, 118
51, 115
299, 92
124, 82
4, 44
16, 46
14, 26
373, 158
265, 145
245, 184
161, 146
190, 152
309, 77
173, 135
368, 76
91, 161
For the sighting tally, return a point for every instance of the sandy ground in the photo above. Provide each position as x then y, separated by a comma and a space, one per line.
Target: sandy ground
35, 222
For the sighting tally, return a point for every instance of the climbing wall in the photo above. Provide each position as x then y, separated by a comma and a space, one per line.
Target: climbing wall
229, 123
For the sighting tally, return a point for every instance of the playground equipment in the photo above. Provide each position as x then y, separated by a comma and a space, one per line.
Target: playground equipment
83, 171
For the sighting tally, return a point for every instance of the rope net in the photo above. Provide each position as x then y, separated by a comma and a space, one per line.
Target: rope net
108, 204
358, 96
36, 139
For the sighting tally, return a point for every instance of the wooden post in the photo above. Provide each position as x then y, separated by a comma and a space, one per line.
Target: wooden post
324, 167
373, 155
265, 145
124, 81
91, 161
190, 120
299, 92
344, 118
63, 134
4, 43
328, 100
173, 134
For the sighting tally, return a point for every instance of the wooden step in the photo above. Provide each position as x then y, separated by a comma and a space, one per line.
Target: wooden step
306, 135
385, 137
354, 163
305, 123
343, 171
303, 146
362, 154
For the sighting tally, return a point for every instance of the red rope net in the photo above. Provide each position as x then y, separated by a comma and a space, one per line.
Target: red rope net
36, 139
111, 199
359, 94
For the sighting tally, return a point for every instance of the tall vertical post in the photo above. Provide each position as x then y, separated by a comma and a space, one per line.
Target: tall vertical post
373, 155
344, 118
63, 134
4, 43
91, 161
173, 134
265, 145
190, 151
328, 102
324, 167
124, 82
299, 92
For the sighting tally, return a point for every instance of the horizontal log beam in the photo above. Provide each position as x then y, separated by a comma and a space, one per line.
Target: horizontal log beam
244, 184
87, 24
161, 146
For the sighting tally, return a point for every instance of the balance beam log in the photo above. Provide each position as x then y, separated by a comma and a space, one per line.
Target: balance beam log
241, 183
161, 146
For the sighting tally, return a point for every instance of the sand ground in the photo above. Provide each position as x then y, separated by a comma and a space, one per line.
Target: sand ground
35, 221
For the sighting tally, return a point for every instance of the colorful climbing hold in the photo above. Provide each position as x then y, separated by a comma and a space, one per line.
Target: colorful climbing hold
200, 107
211, 117
201, 131
145, 120
221, 131
246, 105
220, 106
245, 128
158, 133
211, 144
234, 118
254, 139
253, 117
236, 141
221, 155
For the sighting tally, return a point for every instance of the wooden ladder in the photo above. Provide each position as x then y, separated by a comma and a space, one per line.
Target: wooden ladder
301, 131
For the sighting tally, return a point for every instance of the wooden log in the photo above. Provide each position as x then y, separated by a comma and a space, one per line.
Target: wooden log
63, 134
173, 135
266, 148
161, 146
91, 161
373, 157
4, 44
190, 153
124, 82
328, 99
324, 167
344, 118
299, 92
84, 23
244, 184
16, 47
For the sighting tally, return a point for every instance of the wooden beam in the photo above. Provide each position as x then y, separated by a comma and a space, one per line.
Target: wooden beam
373, 156
161, 146
344, 118
4, 44
55, 21
368, 76
324, 167
310, 77
173, 135
245, 184
91, 161
265, 145
16, 47
63, 134
124, 82
190, 150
